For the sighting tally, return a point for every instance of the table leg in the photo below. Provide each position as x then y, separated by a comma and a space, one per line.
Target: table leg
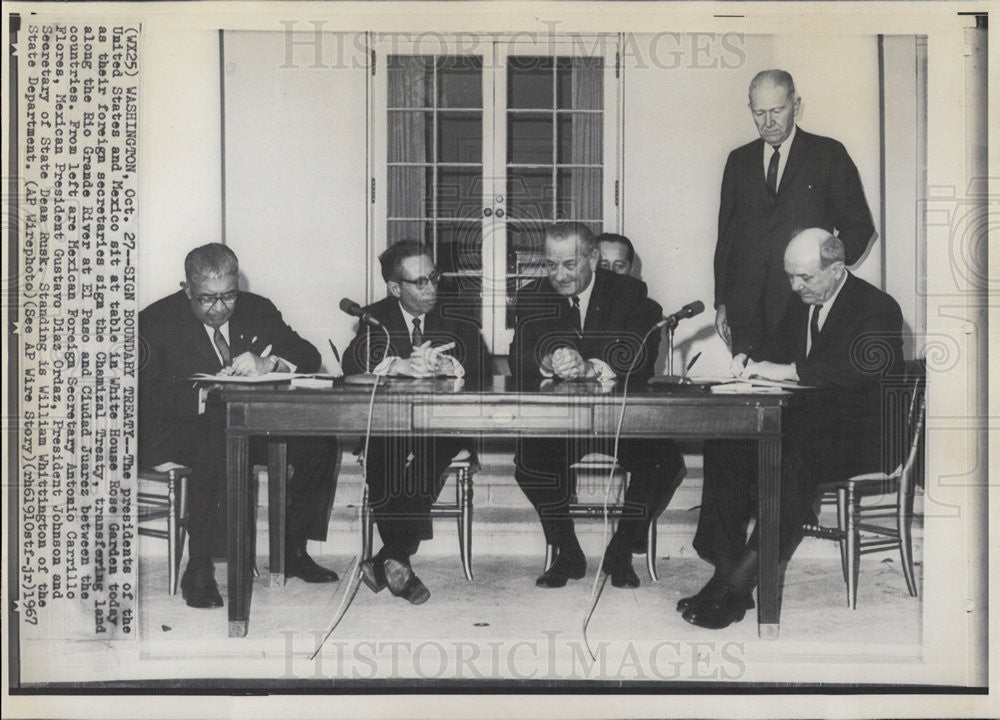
277, 481
240, 565
768, 517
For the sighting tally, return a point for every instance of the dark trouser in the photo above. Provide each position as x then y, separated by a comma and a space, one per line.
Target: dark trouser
200, 444
814, 451
405, 476
542, 471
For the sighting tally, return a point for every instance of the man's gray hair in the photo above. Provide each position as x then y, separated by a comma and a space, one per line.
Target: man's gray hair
580, 231
831, 250
780, 78
214, 260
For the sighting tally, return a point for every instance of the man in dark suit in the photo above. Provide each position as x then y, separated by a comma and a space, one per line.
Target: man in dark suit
783, 182
405, 475
844, 338
584, 322
210, 326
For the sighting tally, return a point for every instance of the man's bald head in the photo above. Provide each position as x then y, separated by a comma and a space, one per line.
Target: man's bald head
814, 264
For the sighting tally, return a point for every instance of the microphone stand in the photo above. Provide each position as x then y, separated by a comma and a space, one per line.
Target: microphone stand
670, 347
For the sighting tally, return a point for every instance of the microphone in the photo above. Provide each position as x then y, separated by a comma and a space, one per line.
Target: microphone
352, 308
689, 310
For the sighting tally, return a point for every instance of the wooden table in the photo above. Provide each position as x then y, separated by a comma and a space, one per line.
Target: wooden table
435, 407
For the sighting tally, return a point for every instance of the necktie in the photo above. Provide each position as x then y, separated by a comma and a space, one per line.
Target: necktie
772, 171
574, 314
416, 337
223, 347
814, 327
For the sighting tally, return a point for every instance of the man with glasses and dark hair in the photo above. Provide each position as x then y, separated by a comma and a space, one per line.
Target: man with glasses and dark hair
211, 327
405, 474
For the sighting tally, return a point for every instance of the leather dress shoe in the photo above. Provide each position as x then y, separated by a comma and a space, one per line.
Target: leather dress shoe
618, 565
722, 611
299, 564
198, 587
567, 566
404, 583
712, 588
373, 574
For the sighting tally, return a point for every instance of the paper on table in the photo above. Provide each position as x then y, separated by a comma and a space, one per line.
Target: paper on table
739, 388
755, 382
271, 377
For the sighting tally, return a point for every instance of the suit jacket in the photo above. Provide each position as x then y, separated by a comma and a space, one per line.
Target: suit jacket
820, 187
852, 365
441, 326
618, 317
174, 345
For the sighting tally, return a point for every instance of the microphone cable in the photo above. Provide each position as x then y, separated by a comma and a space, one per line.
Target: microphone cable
601, 578
354, 572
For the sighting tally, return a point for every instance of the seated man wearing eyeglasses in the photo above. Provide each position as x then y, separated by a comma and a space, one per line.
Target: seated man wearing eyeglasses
211, 327
426, 338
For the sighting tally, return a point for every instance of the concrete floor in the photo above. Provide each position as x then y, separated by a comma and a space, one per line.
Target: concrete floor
502, 628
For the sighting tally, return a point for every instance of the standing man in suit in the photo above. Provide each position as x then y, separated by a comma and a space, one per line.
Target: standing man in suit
843, 338
210, 326
618, 256
783, 182
584, 322
405, 474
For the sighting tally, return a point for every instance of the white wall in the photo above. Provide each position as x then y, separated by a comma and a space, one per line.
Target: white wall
686, 109
180, 185
296, 178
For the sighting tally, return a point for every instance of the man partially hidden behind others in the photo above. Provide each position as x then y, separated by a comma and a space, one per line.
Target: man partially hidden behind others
210, 326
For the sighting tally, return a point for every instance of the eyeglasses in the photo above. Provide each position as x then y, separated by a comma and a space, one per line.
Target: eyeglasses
421, 282
207, 301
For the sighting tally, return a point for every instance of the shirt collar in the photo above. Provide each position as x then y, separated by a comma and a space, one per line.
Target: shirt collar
409, 318
833, 298
585, 294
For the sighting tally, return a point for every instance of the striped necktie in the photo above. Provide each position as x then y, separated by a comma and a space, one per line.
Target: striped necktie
223, 347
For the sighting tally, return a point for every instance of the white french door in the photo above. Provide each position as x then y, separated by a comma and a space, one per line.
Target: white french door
476, 147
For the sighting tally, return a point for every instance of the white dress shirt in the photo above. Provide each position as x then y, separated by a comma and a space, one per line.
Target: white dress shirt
786, 146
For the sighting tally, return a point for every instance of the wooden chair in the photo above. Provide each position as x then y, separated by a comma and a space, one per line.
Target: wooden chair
464, 466
854, 532
169, 503
603, 464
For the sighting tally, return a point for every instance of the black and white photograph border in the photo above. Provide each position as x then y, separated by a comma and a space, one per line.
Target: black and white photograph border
259, 128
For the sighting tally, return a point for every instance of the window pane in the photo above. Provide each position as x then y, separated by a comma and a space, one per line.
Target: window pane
579, 194
407, 230
529, 138
460, 247
459, 192
410, 138
529, 82
410, 79
580, 83
529, 194
460, 137
409, 192
461, 298
581, 138
460, 83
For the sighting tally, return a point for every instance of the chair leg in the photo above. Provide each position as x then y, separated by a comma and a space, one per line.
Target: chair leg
904, 526
842, 527
367, 530
550, 550
464, 490
172, 535
853, 549
182, 517
651, 551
